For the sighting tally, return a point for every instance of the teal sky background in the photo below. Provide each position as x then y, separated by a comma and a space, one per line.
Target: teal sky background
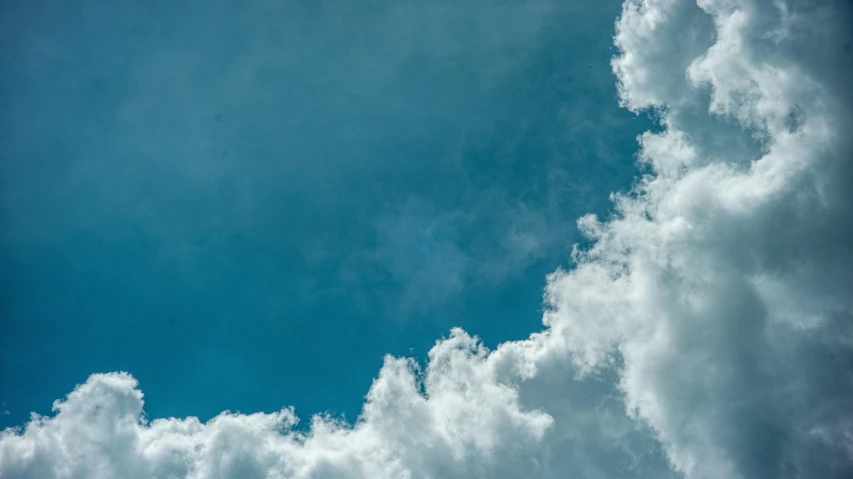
247, 204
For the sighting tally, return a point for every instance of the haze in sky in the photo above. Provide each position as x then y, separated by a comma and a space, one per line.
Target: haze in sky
490, 239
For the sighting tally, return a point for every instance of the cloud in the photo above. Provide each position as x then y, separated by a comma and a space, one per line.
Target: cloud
436, 256
712, 316
460, 417
724, 282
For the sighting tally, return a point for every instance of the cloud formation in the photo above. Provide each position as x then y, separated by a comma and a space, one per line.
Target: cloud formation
461, 417
706, 333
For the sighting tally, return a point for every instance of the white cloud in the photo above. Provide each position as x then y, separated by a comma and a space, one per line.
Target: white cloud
725, 282
469, 421
718, 299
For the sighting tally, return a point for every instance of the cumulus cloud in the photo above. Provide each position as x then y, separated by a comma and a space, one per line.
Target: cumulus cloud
460, 417
707, 332
724, 282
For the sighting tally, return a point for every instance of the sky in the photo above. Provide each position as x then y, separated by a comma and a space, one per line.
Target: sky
421, 240
274, 195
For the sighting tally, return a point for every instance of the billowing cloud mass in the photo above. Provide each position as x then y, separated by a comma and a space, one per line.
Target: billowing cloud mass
706, 333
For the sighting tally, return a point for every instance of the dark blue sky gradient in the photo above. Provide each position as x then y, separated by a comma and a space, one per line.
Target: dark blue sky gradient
247, 204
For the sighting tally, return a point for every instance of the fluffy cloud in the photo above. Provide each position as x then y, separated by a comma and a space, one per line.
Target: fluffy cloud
711, 317
460, 417
724, 283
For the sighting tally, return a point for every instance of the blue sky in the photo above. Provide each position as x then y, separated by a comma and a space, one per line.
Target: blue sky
274, 195
452, 223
